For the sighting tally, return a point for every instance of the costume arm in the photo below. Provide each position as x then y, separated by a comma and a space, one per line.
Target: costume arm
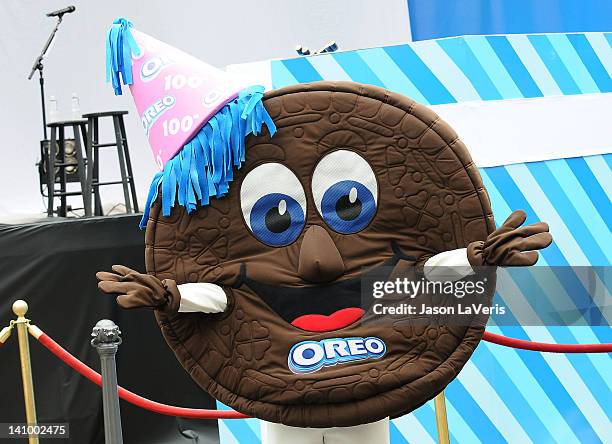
448, 266
202, 297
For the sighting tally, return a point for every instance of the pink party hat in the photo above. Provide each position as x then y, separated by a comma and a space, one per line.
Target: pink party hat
196, 116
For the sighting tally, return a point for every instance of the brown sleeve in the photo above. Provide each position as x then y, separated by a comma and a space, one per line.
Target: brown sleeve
475, 253
173, 296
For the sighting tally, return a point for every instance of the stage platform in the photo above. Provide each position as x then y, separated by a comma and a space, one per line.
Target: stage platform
52, 265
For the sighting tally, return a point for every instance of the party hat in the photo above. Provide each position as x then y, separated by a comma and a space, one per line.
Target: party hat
196, 116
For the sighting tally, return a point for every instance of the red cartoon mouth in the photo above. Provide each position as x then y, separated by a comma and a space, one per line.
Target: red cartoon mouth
320, 308
317, 309
335, 321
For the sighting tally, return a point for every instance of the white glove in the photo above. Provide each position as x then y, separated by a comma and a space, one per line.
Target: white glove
448, 266
200, 296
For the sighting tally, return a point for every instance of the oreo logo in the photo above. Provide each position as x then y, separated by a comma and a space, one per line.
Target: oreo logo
310, 356
153, 112
152, 67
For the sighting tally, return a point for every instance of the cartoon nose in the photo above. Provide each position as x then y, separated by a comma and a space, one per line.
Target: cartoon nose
320, 260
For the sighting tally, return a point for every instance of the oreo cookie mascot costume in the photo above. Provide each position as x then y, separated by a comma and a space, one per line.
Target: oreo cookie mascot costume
267, 210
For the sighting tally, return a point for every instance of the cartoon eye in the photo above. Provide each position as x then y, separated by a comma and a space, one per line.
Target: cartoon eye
273, 204
345, 191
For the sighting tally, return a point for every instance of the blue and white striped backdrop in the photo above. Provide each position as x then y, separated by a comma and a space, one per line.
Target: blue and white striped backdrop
506, 395
462, 69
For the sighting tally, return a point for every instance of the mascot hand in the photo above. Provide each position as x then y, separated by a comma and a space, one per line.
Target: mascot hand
511, 244
137, 290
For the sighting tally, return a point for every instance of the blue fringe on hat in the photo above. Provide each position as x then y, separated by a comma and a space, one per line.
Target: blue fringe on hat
203, 168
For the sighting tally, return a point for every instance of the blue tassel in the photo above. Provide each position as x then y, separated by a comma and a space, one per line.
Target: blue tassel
120, 45
205, 165
153, 192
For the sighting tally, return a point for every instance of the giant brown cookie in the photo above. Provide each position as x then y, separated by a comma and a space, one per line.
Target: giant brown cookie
427, 198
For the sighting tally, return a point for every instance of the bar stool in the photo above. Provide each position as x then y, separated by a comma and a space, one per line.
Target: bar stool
55, 158
125, 164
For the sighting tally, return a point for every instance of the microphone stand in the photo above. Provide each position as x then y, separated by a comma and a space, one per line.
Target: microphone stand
38, 66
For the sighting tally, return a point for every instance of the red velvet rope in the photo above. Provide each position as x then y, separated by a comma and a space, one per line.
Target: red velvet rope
133, 398
184, 412
545, 347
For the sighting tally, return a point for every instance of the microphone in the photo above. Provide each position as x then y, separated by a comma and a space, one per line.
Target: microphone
60, 12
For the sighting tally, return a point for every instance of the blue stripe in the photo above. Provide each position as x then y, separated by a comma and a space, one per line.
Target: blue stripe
531, 386
578, 197
601, 167
568, 213
531, 189
511, 395
556, 391
328, 68
591, 61
446, 71
540, 302
592, 188
225, 435
515, 198
581, 297
609, 38
604, 335
585, 368
554, 64
553, 256
459, 51
534, 64
389, 73
570, 58
602, 49
608, 159
585, 335
540, 369
537, 299
302, 70
493, 67
241, 431
422, 77
460, 427
477, 419
395, 435
426, 417
500, 208
356, 68
280, 75
514, 66
553, 387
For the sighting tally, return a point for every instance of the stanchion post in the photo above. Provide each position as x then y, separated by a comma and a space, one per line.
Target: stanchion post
106, 339
441, 420
20, 308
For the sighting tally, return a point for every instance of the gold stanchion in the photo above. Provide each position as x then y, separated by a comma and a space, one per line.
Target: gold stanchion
441, 421
20, 308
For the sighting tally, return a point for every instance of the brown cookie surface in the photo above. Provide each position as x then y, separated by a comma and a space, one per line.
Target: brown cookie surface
411, 192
